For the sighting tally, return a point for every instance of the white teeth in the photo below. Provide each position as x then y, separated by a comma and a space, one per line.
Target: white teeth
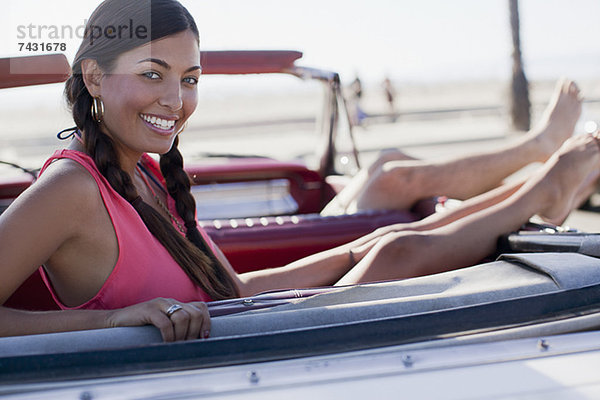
158, 122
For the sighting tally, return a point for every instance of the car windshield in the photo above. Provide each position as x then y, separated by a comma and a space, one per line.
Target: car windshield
270, 115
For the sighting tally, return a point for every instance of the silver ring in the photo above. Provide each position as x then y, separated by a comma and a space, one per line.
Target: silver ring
173, 309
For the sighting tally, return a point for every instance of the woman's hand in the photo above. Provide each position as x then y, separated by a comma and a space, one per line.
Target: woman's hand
176, 321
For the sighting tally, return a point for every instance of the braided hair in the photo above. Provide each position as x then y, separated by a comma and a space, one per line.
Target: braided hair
164, 18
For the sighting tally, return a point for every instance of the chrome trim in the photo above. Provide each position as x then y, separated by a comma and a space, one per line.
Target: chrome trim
243, 200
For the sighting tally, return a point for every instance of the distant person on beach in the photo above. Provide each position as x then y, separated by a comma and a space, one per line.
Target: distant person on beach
114, 234
390, 96
357, 115
356, 87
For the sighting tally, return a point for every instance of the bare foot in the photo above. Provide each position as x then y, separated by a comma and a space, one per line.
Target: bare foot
558, 120
568, 176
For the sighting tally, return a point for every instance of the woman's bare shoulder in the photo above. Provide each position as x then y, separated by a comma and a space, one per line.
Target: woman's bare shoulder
53, 210
68, 169
64, 182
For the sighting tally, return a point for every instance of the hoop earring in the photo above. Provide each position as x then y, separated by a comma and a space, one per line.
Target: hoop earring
97, 109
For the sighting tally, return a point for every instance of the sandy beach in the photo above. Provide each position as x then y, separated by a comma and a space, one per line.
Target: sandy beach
436, 120
432, 119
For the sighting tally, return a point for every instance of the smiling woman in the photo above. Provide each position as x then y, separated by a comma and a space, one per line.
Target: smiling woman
129, 95
131, 83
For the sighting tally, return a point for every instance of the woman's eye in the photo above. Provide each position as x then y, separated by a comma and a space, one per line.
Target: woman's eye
151, 75
191, 80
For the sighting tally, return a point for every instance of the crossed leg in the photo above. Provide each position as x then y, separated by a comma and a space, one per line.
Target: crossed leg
393, 182
551, 192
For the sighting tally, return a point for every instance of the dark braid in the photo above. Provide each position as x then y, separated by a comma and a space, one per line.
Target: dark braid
178, 186
192, 253
178, 182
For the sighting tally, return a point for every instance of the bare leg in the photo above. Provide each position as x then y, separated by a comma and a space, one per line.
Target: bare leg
352, 186
398, 183
551, 193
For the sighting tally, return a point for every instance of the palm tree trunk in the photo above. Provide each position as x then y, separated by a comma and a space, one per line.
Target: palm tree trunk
520, 107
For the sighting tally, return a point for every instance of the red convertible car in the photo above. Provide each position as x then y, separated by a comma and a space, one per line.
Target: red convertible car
260, 211
522, 325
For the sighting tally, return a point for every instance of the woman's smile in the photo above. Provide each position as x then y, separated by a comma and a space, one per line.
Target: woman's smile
162, 125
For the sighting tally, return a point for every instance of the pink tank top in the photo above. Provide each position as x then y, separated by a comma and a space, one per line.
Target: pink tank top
144, 270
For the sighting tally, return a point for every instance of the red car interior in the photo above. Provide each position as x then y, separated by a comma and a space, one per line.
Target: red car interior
259, 242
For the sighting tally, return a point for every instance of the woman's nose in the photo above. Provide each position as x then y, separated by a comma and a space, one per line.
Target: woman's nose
171, 96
